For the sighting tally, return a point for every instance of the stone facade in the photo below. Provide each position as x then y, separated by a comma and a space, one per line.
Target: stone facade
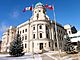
38, 33
7, 37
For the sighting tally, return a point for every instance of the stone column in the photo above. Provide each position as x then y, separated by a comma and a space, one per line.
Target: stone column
28, 35
37, 30
44, 30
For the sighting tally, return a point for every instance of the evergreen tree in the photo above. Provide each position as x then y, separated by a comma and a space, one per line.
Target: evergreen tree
16, 47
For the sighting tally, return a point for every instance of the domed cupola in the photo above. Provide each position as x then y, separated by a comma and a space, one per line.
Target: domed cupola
39, 12
39, 5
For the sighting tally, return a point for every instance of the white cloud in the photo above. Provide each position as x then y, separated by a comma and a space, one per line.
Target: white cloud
3, 27
15, 14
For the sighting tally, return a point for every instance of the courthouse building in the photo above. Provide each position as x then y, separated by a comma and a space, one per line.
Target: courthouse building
37, 33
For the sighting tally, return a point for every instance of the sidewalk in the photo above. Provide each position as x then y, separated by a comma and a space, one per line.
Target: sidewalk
54, 55
45, 57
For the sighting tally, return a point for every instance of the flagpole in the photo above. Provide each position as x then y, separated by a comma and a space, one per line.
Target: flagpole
56, 32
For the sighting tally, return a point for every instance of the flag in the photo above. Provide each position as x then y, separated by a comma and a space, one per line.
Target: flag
27, 8
49, 7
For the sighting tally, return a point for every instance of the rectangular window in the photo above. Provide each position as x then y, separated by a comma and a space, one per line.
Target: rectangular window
25, 30
34, 36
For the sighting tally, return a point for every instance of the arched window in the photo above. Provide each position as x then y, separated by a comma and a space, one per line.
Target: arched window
49, 44
46, 28
20, 32
40, 26
22, 37
47, 36
39, 10
34, 28
25, 37
40, 35
34, 36
25, 30
35, 11
25, 45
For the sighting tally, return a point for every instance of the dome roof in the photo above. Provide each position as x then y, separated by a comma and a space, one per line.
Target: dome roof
39, 4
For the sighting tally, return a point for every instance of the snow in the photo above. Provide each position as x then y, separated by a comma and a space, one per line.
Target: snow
75, 39
27, 56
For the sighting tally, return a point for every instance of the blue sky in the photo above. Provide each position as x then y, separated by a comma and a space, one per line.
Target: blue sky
67, 12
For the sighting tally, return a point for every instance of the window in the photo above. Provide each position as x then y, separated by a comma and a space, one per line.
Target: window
25, 30
34, 28
46, 28
69, 32
25, 45
33, 44
33, 35
39, 10
40, 26
26, 37
59, 31
12, 32
55, 44
22, 45
47, 35
40, 35
35, 11
49, 44
20, 32
41, 46
22, 37
45, 44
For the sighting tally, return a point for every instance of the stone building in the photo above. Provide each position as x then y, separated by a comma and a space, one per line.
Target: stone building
38, 32
7, 37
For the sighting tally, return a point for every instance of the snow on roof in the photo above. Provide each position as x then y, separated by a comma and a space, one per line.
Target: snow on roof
75, 37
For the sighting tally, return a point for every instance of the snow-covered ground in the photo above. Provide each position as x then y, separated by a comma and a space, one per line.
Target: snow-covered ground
27, 56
